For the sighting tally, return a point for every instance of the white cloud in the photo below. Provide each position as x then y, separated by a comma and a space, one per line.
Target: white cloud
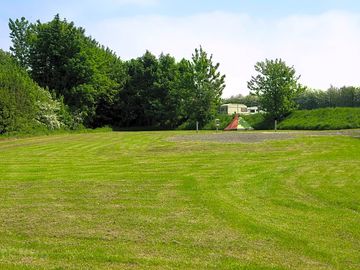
323, 48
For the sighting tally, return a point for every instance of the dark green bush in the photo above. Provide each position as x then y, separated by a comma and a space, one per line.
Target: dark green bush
24, 106
224, 121
259, 121
17, 102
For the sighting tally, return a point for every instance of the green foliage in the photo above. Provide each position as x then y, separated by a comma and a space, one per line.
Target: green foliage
248, 100
204, 96
101, 90
224, 121
20, 38
347, 96
169, 105
161, 93
61, 58
244, 124
317, 119
259, 121
23, 104
109, 78
56, 60
138, 103
277, 86
17, 106
182, 92
326, 118
48, 110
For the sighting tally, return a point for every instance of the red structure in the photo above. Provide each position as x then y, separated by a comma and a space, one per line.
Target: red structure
234, 124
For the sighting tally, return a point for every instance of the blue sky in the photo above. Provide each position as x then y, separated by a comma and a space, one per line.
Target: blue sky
260, 8
321, 38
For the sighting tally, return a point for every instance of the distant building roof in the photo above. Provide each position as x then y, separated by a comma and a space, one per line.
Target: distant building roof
234, 104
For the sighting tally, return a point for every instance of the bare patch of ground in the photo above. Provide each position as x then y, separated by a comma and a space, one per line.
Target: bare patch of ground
260, 136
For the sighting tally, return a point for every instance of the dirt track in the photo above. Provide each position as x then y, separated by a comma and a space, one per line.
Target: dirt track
259, 136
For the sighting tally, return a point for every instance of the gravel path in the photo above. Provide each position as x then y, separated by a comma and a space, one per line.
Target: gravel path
259, 136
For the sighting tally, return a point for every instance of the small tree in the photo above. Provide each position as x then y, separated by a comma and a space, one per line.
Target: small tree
277, 86
204, 96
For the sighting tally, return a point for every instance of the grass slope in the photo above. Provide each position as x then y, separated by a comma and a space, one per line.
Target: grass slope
327, 118
259, 121
133, 200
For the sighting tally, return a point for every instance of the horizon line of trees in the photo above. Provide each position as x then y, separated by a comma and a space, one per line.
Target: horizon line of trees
98, 88
87, 84
345, 96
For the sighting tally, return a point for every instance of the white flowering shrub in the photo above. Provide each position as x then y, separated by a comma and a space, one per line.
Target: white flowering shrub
48, 111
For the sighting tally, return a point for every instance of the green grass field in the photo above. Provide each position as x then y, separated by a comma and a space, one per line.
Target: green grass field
134, 200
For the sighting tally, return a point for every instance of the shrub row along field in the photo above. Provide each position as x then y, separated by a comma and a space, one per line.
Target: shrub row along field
137, 200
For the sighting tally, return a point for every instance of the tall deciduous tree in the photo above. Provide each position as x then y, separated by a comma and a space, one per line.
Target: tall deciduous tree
277, 86
19, 34
60, 57
136, 104
166, 92
56, 58
204, 95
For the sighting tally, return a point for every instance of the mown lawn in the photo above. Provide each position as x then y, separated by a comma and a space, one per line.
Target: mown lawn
134, 200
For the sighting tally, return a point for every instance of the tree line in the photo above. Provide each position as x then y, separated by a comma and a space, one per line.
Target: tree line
346, 96
74, 81
309, 99
98, 88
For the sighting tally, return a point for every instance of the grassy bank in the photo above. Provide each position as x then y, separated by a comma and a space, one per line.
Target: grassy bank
323, 119
134, 200
47, 132
259, 121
